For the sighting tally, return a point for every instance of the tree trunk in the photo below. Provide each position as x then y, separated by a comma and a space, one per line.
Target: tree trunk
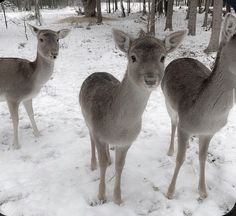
152, 17
144, 7
122, 8
169, 15
199, 6
99, 12
216, 27
128, 7
165, 7
19, 5
37, 12
188, 10
160, 7
192, 17
116, 5
207, 5
89, 8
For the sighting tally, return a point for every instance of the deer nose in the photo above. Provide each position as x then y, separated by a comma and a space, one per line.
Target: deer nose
150, 79
54, 54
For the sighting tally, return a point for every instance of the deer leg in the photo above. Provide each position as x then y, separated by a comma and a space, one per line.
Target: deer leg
182, 145
13, 108
108, 155
29, 109
103, 162
119, 164
173, 129
203, 147
93, 155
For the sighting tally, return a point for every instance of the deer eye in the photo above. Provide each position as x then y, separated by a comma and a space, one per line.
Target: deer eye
41, 40
133, 58
57, 40
162, 59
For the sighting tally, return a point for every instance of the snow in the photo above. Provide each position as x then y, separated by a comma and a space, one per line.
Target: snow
51, 176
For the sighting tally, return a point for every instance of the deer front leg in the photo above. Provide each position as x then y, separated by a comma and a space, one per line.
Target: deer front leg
182, 145
29, 109
119, 164
13, 108
203, 147
103, 163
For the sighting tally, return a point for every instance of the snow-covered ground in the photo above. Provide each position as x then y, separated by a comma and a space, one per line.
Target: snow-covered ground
51, 176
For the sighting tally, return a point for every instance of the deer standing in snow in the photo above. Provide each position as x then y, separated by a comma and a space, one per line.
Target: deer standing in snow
113, 110
199, 100
21, 80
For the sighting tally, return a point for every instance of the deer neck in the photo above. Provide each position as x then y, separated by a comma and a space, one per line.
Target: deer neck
130, 101
218, 91
43, 69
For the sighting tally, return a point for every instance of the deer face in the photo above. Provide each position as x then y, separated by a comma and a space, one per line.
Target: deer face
146, 56
48, 41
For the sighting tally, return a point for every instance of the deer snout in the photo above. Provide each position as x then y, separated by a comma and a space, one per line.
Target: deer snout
54, 54
150, 79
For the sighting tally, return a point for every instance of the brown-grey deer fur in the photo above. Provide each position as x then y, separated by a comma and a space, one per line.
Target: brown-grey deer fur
198, 100
21, 80
113, 109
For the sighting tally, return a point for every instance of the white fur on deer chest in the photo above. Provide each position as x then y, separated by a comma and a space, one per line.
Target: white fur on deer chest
43, 75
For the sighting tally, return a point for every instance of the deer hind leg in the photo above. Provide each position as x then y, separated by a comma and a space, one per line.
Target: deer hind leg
29, 109
174, 121
182, 145
203, 147
13, 108
119, 164
173, 129
103, 163
93, 155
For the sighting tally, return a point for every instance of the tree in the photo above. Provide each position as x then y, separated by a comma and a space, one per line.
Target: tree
207, 5
188, 4
144, 7
99, 12
89, 8
37, 12
216, 27
122, 8
170, 5
152, 17
192, 17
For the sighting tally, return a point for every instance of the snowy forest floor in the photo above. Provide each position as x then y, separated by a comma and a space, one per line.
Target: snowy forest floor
51, 176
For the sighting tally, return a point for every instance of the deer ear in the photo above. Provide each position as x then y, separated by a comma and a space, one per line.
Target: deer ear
122, 40
229, 27
63, 33
33, 29
173, 40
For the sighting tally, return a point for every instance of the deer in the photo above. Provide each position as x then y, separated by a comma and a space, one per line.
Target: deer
198, 100
21, 79
113, 110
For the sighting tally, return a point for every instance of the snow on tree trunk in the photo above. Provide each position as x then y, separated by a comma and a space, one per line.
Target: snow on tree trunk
192, 17
169, 15
216, 27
